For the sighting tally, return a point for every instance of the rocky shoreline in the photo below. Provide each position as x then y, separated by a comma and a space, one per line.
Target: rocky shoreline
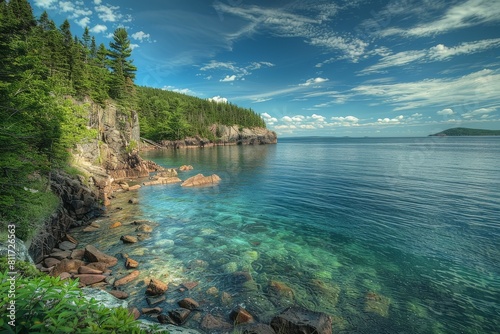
161, 297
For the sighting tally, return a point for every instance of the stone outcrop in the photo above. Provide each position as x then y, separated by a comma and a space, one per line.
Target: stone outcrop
226, 135
201, 180
301, 321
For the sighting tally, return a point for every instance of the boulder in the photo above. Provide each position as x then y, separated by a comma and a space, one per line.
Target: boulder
127, 279
256, 329
101, 266
51, 262
149, 310
77, 254
88, 270
61, 255
188, 303
162, 180
92, 254
135, 187
119, 294
134, 312
296, 320
156, 287
201, 180
152, 301
67, 246
89, 279
115, 225
103, 298
184, 168
144, 228
66, 265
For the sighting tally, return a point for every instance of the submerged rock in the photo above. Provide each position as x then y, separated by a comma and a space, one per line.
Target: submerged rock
301, 321
377, 303
241, 316
92, 254
156, 287
127, 279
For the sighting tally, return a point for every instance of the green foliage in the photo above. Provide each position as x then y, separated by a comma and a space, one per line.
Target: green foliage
172, 116
25, 269
49, 305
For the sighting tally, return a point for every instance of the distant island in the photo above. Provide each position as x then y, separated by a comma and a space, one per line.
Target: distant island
467, 132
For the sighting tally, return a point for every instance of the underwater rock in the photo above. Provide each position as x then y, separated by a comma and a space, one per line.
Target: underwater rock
256, 329
92, 254
184, 168
144, 228
210, 322
127, 279
190, 285
128, 239
131, 263
240, 316
156, 287
179, 316
162, 180
152, 301
301, 321
115, 225
133, 201
201, 180
226, 298
188, 303
149, 310
377, 303
213, 291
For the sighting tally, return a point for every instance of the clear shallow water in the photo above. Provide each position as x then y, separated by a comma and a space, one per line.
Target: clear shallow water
387, 235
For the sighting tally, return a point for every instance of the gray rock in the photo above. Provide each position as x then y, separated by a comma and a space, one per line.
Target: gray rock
103, 298
296, 320
21, 252
172, 329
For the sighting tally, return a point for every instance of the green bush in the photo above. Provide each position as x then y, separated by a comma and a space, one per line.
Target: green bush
49, 305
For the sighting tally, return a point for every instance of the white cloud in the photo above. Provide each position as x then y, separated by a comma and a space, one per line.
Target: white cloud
140, 36
313, 81
185, 91
472, 89
108, 13
466, 14
344, 121
352, 48
446, 112
218, 99
268, 118
98, 28
286, 119
97, 2
318, 118
390, 121
228, 78
239, 71
439, 52
83, 22
134, 46
482, 112
47, 4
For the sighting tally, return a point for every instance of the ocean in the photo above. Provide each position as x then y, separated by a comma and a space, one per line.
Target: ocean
387, 235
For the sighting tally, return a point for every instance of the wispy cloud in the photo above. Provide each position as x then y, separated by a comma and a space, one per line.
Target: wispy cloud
238, 71
466, 14
108, 13
98, 28
140, 36
314, 81
439, 52
473, 89
228, 78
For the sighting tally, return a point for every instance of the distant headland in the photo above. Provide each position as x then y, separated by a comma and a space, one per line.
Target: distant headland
467, 132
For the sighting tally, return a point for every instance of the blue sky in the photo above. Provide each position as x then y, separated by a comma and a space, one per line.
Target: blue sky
316, 68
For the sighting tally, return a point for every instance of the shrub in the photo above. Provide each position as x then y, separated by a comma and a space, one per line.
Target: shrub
49, 305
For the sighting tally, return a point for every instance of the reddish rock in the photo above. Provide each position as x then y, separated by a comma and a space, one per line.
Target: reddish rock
61, 255
127, 279
149, 310
119, 294
156, 287
101, 266
301, 321
188, 303
50, 262
210, 322
162, 180
190, 285
88, 270
77, 254
66, 265
179, 316
137, 186
67, 245
64, 276
135, 312
128, 239
92, 254
201, 180
89, 279
240, 316
131, 264
115, 225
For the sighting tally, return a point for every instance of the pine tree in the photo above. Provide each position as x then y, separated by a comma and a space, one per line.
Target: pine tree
120, 64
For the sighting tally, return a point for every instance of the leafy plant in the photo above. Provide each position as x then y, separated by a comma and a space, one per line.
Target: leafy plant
50, 305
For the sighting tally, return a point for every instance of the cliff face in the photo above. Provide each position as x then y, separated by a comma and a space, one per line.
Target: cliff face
227, 135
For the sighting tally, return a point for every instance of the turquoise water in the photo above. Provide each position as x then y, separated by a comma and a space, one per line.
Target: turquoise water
387, 235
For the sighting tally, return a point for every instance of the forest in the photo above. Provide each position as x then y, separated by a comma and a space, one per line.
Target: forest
44, 69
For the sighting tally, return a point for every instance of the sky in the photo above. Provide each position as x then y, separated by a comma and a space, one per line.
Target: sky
311, 67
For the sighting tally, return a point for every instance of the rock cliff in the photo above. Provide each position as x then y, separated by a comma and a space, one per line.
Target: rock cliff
227, 135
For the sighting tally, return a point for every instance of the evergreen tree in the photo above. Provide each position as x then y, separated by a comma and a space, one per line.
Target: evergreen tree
120, 64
